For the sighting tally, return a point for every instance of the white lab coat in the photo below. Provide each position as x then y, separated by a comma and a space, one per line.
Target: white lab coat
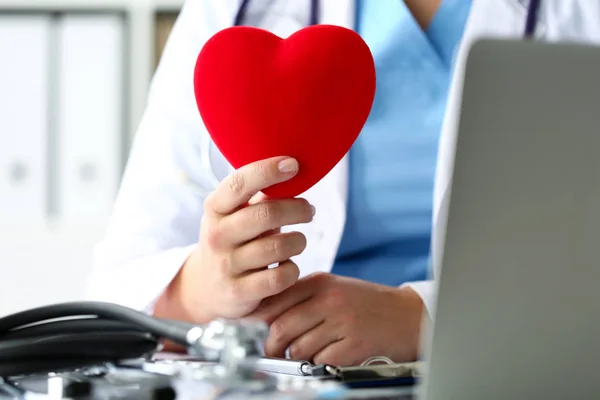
173, 165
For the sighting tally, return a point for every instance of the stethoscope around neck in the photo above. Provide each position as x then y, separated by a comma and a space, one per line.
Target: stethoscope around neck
240, 17
530, 22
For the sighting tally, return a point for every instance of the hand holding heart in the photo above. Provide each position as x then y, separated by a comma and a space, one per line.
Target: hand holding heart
283, 113
227, 276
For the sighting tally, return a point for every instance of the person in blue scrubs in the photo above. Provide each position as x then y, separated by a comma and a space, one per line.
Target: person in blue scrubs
357, 310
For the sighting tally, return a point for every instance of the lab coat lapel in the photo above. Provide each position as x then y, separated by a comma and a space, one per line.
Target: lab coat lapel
337, 12
329, 196
487, 18
335, 184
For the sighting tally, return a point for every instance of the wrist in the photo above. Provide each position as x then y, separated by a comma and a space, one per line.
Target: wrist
411, 311
412, 298
177, 301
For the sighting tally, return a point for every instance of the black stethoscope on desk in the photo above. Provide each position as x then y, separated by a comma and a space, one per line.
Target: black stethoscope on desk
530, 22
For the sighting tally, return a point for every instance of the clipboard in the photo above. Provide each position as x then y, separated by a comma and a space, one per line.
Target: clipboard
373, 372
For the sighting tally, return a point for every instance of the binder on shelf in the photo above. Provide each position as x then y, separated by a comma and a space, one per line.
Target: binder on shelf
164, 22
90, 115
24, 118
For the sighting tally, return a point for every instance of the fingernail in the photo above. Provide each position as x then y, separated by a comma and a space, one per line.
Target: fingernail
313, 210
288, 165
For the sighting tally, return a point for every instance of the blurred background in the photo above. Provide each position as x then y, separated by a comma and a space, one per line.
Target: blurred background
74, 75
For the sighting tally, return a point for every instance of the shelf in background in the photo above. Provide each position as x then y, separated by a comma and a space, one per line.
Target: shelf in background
90, 4
164, 21
43, 263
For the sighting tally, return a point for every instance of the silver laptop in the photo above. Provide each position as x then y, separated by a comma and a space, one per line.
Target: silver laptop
518, 314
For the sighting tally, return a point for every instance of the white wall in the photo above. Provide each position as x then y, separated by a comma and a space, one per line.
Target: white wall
67, 113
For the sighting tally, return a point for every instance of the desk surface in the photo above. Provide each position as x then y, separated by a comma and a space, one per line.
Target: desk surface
133, 383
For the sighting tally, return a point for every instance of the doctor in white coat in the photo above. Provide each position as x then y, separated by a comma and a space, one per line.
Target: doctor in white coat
180, 244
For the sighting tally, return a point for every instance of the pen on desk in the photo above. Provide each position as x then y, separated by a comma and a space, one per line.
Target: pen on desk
284, 366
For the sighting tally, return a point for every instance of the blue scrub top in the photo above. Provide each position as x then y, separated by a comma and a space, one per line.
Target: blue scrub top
392, 163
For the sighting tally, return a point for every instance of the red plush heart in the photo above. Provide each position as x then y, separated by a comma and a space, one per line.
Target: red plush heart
307, 96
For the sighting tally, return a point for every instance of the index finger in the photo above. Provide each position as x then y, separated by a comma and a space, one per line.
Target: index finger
239, 187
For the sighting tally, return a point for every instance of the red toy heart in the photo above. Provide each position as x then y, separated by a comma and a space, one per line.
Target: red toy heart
307, 96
